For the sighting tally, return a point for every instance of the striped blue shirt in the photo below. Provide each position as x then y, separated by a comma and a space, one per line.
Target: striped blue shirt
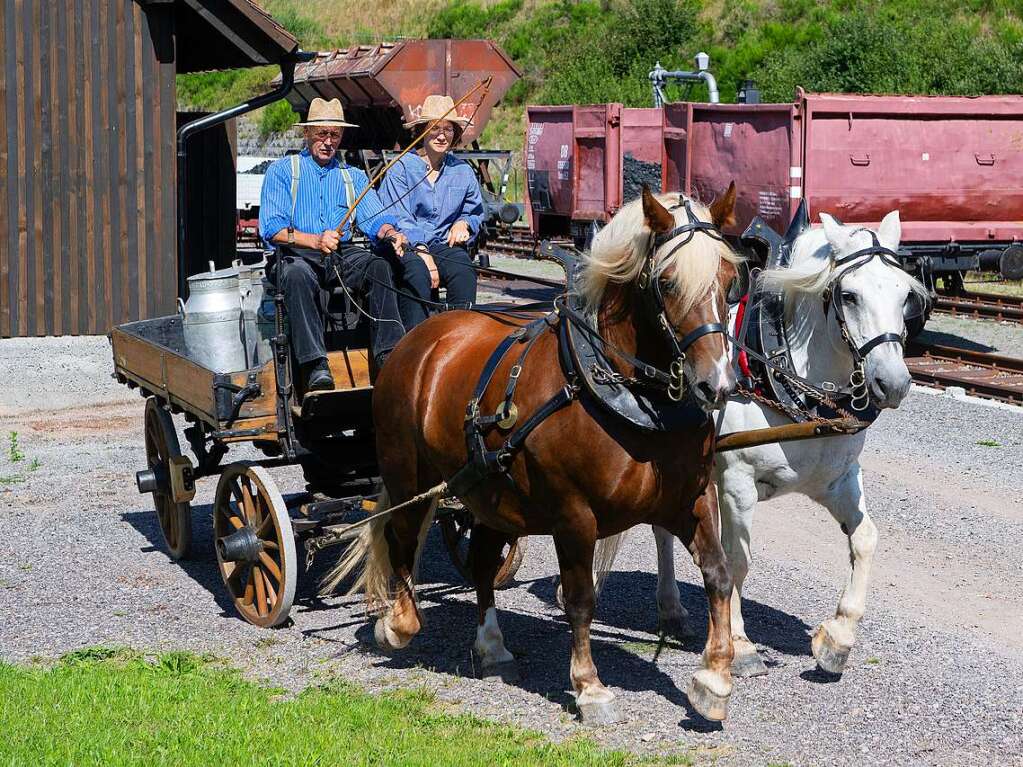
320, 203
426, 211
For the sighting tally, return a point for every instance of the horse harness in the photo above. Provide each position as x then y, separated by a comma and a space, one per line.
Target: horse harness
777, 384
652, 400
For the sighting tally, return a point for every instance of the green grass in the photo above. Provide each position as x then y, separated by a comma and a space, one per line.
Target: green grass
989, 443
118, 707
14, 454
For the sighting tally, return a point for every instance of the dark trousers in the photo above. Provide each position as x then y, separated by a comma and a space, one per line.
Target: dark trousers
305, 280
456, 275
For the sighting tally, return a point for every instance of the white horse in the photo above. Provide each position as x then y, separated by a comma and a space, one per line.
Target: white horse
873, 297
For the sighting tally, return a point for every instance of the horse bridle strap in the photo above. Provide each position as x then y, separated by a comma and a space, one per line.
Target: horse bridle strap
833, 294
650, 288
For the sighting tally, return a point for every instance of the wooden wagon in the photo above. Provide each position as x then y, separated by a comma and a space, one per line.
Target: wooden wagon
329, 434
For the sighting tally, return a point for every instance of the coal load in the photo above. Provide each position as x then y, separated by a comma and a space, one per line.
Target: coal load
636, 173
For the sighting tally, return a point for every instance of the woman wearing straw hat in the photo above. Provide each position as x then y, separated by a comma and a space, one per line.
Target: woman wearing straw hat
439, 207
303, 201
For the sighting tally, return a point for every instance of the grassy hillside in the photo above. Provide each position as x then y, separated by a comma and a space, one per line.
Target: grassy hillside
589, 51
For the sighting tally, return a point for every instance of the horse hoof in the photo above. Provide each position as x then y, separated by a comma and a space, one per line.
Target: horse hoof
596, 713
675, 627
830, 648
388, 639
747, 665
708, 693
507, 672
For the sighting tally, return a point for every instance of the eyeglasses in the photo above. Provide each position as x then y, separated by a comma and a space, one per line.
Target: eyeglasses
323, 135
438, 130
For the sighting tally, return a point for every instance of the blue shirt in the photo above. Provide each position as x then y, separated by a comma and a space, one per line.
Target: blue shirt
426, 213
320, 203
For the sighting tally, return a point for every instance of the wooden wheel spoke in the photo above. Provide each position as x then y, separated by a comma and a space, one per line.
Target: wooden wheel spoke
265, 526
236, 522
248, 591
271, 545
247, 499
257, 576
270, 565
271, 594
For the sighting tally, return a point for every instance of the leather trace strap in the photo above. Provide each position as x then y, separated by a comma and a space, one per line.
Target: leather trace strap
482, 461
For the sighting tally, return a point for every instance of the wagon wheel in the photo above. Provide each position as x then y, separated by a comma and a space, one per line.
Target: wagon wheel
161, 446
255, 544
456, 529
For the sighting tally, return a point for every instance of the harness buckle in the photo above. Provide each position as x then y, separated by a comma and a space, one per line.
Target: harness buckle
516, 371
511, 415
676, 380
829, 387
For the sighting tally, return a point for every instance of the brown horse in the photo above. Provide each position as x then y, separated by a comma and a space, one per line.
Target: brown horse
583, 473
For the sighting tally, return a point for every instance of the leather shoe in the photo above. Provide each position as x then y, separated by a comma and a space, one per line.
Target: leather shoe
319, 377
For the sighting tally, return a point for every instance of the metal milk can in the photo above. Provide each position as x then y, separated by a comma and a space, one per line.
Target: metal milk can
212, 320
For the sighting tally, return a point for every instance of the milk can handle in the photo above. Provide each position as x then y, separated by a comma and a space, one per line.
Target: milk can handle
181, 307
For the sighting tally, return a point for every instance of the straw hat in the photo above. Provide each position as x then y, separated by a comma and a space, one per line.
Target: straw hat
439, 108
326, 113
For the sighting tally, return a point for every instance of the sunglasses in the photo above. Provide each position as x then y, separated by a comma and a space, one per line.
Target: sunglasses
447, 131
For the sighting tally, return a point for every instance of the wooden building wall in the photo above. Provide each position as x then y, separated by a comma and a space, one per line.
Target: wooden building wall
87, 157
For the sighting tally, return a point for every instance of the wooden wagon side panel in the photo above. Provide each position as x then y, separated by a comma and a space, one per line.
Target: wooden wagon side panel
177, 380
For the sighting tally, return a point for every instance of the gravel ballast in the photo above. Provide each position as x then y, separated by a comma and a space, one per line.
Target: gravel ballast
936, 677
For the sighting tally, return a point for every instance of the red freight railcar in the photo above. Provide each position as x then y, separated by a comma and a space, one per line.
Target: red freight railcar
951, 165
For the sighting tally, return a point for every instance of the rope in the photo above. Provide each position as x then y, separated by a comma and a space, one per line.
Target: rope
334, 535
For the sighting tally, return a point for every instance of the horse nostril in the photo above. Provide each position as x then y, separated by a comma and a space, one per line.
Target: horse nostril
707, 391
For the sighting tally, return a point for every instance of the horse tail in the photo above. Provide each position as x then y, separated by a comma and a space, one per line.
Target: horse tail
369, 555
604, 558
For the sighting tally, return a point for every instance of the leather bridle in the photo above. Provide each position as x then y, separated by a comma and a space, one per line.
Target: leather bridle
650, 290
832, 297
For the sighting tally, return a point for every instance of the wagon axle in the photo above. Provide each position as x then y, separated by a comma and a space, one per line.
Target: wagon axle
242, 545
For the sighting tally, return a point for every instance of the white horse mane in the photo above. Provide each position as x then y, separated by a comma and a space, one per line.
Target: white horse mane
808, 275
619, 251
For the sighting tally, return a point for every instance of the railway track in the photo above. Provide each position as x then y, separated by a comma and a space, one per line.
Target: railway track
991, 376
991, 306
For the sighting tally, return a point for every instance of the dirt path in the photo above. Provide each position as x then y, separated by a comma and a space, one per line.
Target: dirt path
936, 677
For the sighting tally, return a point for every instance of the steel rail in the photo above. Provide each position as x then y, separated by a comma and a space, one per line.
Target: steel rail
982, 374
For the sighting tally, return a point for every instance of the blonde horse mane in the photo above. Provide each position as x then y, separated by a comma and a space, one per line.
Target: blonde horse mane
619, 251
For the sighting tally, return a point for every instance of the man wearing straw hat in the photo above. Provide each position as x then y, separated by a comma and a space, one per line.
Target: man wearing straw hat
304, 199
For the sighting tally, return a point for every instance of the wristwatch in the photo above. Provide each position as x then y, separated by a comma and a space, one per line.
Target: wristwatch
291, 235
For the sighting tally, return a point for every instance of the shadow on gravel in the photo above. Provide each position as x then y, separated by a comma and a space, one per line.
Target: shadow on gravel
201, 566
951, 339
629, 602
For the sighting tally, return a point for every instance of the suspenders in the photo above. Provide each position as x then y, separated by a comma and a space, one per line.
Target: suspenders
346, 177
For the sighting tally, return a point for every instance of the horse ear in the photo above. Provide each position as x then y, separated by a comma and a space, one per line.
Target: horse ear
889, 233
722, 210
655, 214
837, 235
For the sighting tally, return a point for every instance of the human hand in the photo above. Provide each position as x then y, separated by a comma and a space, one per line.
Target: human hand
399, 242
458, 233
329, 241
432, 267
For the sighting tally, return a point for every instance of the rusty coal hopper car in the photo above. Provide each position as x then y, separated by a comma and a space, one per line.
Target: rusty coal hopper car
383, 85
950, 165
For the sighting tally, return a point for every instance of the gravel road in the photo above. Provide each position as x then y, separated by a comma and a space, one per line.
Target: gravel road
936, 678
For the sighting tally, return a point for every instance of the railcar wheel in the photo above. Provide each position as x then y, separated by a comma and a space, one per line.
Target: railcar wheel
161, 446
255, 544
456, 529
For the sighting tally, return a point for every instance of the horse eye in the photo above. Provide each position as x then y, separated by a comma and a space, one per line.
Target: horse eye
849, 298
